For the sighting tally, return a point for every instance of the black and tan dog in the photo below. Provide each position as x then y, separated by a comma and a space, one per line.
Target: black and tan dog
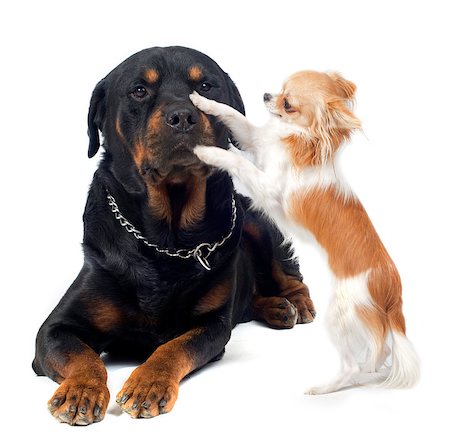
174, 258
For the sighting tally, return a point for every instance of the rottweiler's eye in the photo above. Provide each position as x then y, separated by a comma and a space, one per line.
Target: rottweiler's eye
287, 106
140, 92
205, 86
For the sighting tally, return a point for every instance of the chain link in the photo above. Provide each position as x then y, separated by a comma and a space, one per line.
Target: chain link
201, 252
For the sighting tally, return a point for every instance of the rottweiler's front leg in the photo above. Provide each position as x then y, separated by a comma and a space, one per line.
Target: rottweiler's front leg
152, 388
82, 397
282, 298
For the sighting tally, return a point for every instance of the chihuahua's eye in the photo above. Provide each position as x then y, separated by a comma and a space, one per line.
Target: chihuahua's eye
287, 106
140, 92
205, 86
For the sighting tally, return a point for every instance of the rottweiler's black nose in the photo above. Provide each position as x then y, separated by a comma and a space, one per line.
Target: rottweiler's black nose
182, 118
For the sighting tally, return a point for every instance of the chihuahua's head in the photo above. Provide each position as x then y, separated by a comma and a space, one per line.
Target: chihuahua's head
318, 107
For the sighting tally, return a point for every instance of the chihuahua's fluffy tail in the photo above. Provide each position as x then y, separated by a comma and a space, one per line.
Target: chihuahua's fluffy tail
405, 369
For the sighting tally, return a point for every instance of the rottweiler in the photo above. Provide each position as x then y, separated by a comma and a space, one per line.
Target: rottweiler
174, 257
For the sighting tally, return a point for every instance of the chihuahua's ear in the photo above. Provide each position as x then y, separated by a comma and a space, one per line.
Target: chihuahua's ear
341, 117
340, 107
346, 88
96, 117
334, 124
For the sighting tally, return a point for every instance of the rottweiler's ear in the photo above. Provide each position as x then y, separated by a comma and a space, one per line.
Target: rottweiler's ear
96, 117
236, 99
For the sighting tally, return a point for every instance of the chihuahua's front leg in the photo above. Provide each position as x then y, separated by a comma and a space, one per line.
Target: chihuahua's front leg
242, 130
255, 180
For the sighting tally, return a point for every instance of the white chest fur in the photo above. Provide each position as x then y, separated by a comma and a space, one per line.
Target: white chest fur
284, 181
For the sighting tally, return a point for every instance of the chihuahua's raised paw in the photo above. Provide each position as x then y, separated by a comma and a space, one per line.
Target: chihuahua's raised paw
202, 103
219, 158
209, 155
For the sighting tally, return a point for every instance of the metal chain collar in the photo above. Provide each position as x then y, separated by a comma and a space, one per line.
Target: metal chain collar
201, 252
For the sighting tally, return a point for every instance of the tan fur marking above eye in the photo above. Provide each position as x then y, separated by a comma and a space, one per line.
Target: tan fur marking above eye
195, 73
151, 75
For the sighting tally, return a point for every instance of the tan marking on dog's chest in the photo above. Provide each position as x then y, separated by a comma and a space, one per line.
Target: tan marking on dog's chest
214, 298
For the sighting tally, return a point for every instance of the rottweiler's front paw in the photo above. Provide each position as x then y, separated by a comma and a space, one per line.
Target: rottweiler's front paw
80, 401
276, 311
148, 393
301, 300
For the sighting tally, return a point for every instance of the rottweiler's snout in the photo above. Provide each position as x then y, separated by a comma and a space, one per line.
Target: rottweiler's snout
181, 118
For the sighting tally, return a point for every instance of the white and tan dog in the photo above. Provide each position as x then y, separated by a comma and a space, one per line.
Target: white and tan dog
294, 180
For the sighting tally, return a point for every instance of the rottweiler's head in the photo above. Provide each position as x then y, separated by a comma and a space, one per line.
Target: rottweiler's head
147, 120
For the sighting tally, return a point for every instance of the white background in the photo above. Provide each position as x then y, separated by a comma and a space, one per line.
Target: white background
53, 53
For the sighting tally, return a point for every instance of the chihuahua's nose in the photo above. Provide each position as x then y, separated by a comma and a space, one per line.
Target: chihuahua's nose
267, 97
